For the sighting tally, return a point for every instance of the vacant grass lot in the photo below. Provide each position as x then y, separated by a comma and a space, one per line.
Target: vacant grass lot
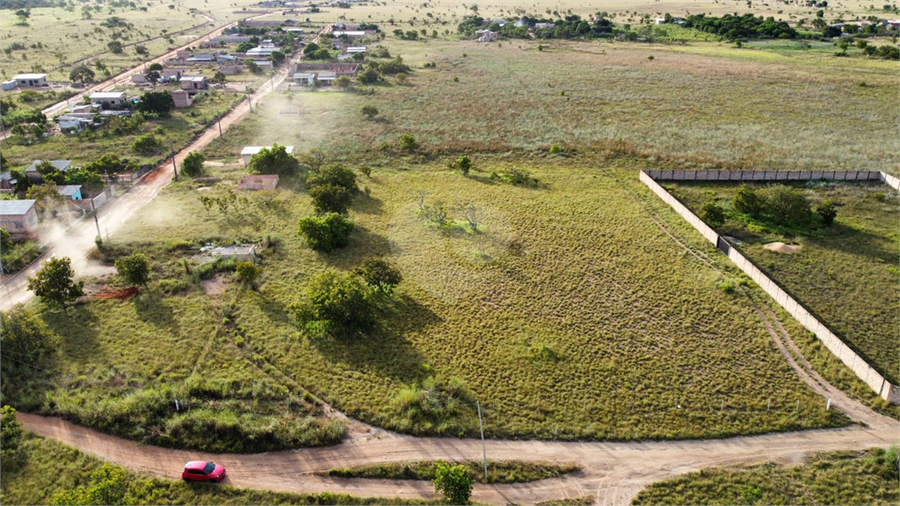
46, 467
846, 273
559, 328
703, 104
851, 477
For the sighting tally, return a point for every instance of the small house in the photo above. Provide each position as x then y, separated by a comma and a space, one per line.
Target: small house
9, 85
68, 123
182, 99
201, 58
326, 78
305, 78
110, 99
258, 182
264, 64
194, 84
249, 151
19, 218
7, 183
35, 177
31, 80
70, 191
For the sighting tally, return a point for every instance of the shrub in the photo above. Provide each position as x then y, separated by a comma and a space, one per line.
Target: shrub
787, 205
516, 176
408, 142
330, 198
335, 303
712, 214
274, 160
452, 481
748, 201
247, 272
379, 273
326, 233
464, 164
369, 111
192, 165
554, 149
134, 269
334, 174
147, 145
827, 212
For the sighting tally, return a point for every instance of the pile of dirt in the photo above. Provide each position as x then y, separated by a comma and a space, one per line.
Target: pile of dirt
118, 294
781, 247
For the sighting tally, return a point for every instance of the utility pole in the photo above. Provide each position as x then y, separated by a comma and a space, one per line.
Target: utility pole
483, 449
99, 237
219, 121
174, 166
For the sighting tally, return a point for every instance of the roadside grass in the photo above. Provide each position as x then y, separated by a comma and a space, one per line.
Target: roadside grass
701, 104
848, 477
846, 273
548, 317
49, 467
586, 500
178, 130
511, 471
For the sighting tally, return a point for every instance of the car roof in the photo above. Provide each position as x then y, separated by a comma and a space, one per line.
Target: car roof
195, 464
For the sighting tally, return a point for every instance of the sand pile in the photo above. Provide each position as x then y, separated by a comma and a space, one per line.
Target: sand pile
781, 247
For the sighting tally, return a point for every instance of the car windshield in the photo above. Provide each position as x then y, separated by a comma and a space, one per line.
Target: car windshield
209, 467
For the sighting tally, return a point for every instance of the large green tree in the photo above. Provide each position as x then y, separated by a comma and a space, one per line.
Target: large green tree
274, 160
334, 174
54, 282
82, 74
192, 165
24, 339
159, 103
327, 232
330, 198
337, 303
787, 205
379, 273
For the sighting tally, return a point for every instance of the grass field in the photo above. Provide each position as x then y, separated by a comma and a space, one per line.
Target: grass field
46, 467
851, 477
701, 104
846, 274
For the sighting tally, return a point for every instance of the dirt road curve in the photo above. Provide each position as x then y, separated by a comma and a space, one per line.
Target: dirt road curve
613, 472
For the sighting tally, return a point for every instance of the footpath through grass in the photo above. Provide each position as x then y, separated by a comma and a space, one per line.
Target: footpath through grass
849, 477
845, 273
43, 468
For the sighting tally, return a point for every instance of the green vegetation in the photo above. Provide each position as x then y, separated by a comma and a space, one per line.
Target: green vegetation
54, 282
845, 273
274, 160
508, 471
850, 477
453, 481
326, 232
50, 471
192, 166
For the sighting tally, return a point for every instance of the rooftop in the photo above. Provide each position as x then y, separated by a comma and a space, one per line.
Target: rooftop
252, 150
107, 95
30, 76
68, 190
15, 207
61, 165
196, 79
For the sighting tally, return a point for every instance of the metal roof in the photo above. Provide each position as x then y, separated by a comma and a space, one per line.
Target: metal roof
60, 165
30, 76
68, 190
196, 79
252, 150
15, 207
100, 95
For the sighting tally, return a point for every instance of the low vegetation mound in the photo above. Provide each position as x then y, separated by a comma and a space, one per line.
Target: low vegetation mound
508, 471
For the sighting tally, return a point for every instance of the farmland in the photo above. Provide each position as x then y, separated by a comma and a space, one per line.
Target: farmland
845, 273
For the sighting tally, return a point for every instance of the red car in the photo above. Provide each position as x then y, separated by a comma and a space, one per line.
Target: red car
199, 470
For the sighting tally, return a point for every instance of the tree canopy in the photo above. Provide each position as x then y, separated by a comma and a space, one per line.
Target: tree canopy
274, 160
134, 269
159, 103
55, 283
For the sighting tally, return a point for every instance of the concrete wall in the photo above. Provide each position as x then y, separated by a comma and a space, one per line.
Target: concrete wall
890, 181
834, 344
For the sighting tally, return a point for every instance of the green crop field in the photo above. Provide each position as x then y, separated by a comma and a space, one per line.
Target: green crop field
851, 477
846, 273
41, 468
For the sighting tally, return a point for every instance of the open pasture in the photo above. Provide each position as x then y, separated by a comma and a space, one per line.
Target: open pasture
704, 105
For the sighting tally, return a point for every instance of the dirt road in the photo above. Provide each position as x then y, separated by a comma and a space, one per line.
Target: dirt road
613, 473
79, 240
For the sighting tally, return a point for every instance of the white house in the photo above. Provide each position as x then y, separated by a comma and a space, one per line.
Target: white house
30, 80
110, 99
194, 84
351, 34
249, 151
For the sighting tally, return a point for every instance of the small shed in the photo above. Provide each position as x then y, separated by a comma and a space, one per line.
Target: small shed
249, 151
30, 80
258, 182
19, 218
35, 177
182, 99
70, 191
7, 182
